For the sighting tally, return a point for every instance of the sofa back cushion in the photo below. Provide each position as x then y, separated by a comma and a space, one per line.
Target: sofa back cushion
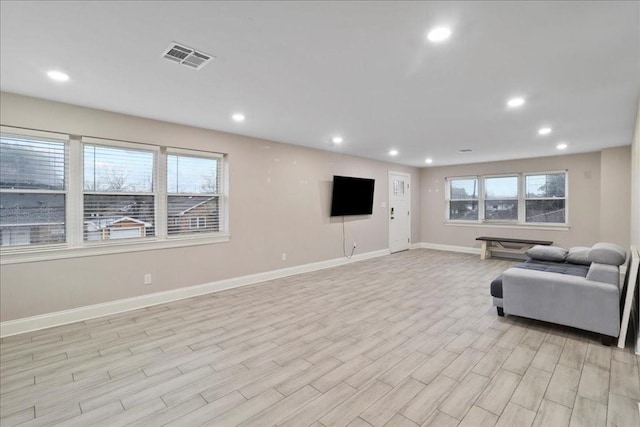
547, 253
604, 273
607, 253
579, 255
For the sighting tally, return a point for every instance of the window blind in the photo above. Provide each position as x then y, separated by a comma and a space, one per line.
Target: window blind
32, 190
193, 194
119, 197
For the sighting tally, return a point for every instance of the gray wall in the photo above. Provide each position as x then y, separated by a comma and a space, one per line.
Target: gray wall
615, 195
592, 216
279, 202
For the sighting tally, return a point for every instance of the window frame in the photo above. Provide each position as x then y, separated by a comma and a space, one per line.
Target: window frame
220, 187
521, 199
565, 198
155, 150
449, 199
484, 197
75, 245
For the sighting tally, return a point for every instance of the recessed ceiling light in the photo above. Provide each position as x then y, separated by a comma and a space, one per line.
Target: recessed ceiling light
515, 102
544, 131
429, 161
393, 152
58, 76
562, 146
439, 34
336, 139
238, 117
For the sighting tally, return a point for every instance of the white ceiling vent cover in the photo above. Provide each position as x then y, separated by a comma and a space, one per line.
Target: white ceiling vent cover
187, 56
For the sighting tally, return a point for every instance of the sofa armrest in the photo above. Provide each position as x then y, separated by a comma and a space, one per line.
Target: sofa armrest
564, 299
604, 273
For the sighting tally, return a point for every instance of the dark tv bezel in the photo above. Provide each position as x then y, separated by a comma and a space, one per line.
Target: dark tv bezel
335, 212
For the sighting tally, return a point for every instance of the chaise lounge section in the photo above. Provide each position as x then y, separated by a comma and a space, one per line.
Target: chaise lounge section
578, 288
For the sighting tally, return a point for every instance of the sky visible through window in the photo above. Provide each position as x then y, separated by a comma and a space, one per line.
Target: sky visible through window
117, 169
186, 174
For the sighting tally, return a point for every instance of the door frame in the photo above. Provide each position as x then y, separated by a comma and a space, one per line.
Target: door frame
389, 195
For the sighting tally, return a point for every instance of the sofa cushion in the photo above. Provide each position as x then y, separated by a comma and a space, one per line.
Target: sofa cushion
579, 255
607, 253
570, 269
547, 253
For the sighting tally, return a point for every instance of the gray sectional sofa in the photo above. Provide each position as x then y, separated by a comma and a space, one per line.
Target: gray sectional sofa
579, 287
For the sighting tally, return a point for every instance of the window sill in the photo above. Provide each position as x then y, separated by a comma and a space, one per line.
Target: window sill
548, 227
64, 252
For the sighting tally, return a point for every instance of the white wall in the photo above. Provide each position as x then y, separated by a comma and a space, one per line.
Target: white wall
279, 202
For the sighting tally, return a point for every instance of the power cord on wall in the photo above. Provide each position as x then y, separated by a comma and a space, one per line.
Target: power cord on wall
344, 241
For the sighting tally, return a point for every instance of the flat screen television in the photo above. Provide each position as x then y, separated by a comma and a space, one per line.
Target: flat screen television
352, 196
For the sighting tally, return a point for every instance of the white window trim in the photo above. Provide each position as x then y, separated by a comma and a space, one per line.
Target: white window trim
76, 247
521, 222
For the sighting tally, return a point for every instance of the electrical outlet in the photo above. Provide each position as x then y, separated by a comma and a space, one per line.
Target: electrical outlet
284, 256
147, 279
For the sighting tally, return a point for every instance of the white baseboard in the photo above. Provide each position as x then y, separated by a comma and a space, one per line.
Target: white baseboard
450, 248
34, 323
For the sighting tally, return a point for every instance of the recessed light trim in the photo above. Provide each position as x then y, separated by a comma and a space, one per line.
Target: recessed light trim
544, 131
439, 34
238, 117
336, 140
393, 152
58, 76
516, 102
562, 146
429, 160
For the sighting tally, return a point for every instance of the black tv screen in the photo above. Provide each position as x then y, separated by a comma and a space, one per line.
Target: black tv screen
352, 196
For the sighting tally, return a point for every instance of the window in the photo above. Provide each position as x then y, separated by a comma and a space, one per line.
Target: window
119, 198
463, 199
199, 222
193, 199
66, 196
545, 198
501, 198
32, 190
531, 198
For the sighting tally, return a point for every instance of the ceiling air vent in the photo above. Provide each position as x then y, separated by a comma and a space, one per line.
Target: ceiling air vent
187, 56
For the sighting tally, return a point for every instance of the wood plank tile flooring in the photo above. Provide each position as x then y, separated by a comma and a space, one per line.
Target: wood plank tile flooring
404, 340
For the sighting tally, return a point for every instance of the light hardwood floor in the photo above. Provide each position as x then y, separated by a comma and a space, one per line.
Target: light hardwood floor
404, 340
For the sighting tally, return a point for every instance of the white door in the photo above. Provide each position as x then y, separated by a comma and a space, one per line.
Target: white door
399, 211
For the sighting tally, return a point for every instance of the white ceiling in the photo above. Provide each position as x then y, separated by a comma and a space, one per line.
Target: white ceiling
303, 72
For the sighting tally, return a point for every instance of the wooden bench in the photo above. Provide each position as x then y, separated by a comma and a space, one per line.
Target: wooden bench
515, 246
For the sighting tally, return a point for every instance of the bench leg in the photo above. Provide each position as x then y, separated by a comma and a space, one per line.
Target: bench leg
484, 251
500, 311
